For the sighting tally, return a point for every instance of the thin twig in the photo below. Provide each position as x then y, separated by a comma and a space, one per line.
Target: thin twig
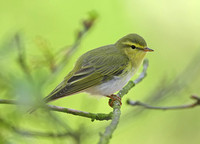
106, 136
186, 106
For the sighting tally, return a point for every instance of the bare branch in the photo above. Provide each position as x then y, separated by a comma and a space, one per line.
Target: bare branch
106, 136
92, 116
194, 104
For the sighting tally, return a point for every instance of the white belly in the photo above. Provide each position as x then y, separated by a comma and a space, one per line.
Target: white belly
110, 87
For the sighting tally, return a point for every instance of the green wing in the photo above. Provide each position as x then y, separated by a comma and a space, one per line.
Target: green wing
92, 68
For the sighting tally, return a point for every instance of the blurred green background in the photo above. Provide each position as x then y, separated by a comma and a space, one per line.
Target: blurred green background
171, 28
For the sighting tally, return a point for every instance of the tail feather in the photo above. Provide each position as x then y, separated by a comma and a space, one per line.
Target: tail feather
40, 104
55, 94
31, 110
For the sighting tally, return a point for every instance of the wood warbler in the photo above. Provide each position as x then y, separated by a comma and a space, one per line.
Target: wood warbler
104, 70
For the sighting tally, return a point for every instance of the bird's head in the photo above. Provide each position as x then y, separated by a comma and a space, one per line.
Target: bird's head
134, 42
133, 45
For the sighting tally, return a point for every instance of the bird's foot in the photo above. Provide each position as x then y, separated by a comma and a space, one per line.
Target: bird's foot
113, 98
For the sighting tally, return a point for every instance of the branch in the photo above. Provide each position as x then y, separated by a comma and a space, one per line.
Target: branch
106, 136
93, 116
194, 104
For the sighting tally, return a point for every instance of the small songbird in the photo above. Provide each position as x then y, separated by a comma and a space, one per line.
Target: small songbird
104, 70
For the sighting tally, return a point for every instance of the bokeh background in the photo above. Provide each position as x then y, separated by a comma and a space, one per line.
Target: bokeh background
171, 28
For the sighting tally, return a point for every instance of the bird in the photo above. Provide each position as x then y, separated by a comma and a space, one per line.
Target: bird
104, 70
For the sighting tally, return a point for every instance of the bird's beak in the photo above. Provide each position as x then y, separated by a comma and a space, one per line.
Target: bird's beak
148, 49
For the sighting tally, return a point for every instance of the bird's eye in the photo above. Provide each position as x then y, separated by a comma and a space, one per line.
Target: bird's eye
133, 46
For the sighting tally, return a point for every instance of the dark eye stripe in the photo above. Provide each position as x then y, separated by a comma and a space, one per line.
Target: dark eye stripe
133, 47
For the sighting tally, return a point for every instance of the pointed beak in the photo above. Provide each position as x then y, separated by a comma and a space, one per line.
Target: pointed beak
148, 50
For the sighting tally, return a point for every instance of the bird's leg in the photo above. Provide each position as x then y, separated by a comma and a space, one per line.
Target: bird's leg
113, 98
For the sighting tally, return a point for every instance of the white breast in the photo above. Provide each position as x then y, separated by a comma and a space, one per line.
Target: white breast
112, 86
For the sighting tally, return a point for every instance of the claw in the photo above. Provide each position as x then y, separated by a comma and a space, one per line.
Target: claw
112, 99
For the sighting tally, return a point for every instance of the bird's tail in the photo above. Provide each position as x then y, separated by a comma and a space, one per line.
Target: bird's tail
40, 104
31, 110
57, 93
47, 99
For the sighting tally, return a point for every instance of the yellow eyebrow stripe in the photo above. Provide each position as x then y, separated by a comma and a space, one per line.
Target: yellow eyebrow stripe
130, 44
